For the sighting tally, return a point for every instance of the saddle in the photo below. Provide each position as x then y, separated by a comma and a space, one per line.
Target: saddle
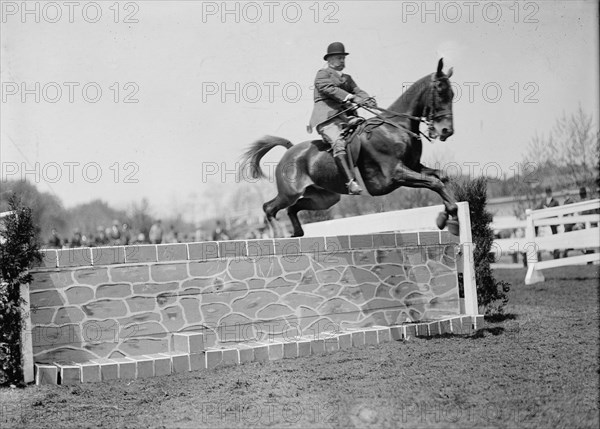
354, 131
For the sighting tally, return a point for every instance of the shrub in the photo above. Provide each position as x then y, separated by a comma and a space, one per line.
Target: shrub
492, 295
18, 251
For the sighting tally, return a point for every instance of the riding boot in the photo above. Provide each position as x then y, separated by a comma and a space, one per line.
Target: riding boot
342, 164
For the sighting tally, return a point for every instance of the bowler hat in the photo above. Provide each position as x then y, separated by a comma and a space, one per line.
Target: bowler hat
335, 48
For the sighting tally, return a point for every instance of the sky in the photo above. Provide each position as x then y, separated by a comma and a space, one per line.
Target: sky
159, 99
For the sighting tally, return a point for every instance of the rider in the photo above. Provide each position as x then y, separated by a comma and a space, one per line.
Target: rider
332, 89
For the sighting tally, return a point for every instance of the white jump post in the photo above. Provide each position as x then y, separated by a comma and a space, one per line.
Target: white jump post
466, 248
533, 276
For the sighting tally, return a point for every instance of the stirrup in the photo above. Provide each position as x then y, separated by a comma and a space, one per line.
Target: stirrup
353, 188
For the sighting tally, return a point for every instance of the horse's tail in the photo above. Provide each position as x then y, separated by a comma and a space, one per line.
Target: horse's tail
258, 149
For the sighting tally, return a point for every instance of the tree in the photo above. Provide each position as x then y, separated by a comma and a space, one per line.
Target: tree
140, 217
19, 250
572, 147
47, 210
492, 295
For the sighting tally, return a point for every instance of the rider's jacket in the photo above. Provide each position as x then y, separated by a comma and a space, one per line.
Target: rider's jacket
332, 88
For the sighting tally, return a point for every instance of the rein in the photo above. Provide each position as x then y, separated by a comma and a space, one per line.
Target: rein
431, 116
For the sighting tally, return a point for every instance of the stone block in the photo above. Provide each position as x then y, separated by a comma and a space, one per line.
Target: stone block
188, 342
127, 367
230, 357
172, 252
397, 333
90, 372
384, 240
445, 327
197, 361
108, 255
383, 334
46, 374
478, 322
214, 357
427, 238
304, 348
130, 274
434, 328
466, 325
180, 362
317, 346
290, 350
345, 340
335, 244
456, 325
260, 248
409, 331
358, 338
404, 239
275, 351
371, 337
314, 245
287, 246
203, 251
246, 353
162, 364
76, 257
422, 330
232, 249
331, 344
447, 238
140, 253
361, 241
144, 366
109, 369
261, 352
49, 259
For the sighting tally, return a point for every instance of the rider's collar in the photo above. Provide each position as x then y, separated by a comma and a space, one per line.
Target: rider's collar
339, 73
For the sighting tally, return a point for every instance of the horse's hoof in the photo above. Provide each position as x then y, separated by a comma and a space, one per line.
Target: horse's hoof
441, 220
453, 227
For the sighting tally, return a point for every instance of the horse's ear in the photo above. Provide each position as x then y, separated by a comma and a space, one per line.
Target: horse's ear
440, 67
450, 72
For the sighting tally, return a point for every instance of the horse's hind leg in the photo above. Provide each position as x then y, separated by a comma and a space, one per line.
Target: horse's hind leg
313, 199
273, 206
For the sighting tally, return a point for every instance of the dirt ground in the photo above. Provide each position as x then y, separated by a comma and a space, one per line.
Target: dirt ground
536, 368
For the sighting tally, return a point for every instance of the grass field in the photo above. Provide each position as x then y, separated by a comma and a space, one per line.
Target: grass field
538, 367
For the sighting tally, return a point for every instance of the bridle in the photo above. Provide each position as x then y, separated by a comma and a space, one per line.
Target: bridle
431, 114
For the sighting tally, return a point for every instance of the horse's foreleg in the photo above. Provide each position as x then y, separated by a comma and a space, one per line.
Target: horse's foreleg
404, 176
439, 174
313, 199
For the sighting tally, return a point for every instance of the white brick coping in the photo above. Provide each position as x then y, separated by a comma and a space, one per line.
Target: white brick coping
189, 354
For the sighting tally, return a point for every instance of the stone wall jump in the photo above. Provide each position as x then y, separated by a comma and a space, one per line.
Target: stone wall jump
117, 302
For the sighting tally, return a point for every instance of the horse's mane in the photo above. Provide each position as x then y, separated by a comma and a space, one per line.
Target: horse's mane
402, 103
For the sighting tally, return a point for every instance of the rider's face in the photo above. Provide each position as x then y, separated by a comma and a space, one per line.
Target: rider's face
337, 62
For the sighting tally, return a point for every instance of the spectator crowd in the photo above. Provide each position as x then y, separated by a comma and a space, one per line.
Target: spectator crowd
121, 234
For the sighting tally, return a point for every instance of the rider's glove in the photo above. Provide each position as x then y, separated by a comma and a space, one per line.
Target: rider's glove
370, 102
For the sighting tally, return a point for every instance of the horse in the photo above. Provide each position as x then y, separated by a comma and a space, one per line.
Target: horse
389, 156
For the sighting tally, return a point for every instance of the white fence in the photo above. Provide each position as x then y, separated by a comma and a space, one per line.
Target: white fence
530, 242
585, 235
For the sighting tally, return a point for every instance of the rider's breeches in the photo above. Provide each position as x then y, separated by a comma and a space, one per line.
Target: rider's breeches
332, 133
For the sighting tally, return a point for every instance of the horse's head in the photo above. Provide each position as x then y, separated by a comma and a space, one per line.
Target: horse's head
439, 105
